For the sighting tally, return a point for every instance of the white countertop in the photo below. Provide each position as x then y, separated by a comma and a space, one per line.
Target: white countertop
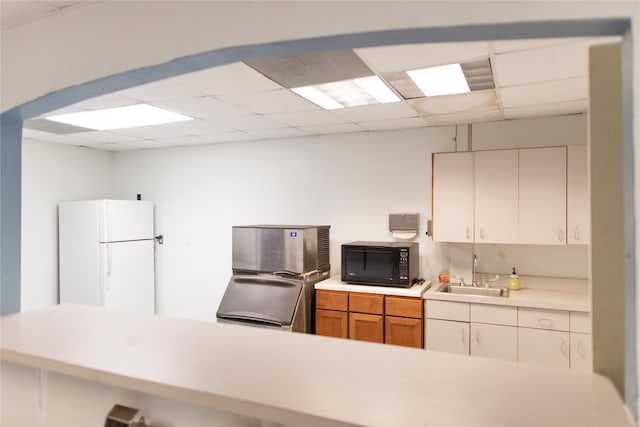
336, 284
556, 294
299, 379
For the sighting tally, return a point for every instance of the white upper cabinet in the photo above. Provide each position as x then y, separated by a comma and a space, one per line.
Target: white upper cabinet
496, 196
578, 206
542, 204
453, 197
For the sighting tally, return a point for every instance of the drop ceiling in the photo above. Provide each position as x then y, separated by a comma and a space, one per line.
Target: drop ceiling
236, 102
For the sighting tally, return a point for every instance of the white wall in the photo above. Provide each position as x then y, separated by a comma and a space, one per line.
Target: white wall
52, 173
350, 182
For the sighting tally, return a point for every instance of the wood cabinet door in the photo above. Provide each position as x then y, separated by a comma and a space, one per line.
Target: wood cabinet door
331, 323
542, 195
445, 335
366, 327
403, 331
578, 205
452, 187
544, 347
496, 196
496, 341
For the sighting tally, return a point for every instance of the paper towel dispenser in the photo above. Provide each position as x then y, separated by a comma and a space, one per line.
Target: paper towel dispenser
404, 225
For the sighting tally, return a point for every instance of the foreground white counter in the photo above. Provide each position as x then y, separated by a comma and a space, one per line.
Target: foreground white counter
298, 379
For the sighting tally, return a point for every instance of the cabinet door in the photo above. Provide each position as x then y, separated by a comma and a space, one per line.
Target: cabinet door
331, 323
445, 335
452, 188
496, 341
366, 327
496, 196
578, 205
542, 195
543, 347
581, 352
403, 331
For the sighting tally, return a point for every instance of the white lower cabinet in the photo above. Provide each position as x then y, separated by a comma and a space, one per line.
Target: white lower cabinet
544, 347
530, 335
447, 335
496, 341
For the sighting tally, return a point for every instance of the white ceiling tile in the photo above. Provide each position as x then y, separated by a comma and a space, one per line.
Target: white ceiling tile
108, 136
34, 134
465, 102
183, 140
111, 100
197, 127
333, 129
386, 59
278, 133
147, 144
200, 108
148, 132
465, 117
272, 101
225, 79
117, 146
308, 118
161, 90
251, 122
236, 136
548, 110
556, 62
501, 46
416, 122
545, 93
363, 113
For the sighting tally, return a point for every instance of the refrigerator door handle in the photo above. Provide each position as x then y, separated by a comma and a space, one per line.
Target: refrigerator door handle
109, 266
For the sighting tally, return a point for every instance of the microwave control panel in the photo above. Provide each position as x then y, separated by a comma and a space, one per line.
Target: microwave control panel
404, 264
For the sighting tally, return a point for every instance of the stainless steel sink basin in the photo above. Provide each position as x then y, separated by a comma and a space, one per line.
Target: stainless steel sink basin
476, 290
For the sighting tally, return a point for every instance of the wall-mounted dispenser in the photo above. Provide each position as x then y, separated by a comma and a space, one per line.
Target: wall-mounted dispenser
124, 416
403, 225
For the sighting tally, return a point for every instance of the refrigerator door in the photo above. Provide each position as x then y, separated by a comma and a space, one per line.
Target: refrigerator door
128, 276
124, 220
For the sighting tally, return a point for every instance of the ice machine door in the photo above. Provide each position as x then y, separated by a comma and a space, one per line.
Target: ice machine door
265, 299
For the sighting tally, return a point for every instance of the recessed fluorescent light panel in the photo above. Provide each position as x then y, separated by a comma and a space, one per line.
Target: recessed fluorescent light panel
442, 80
120, 117
348, 93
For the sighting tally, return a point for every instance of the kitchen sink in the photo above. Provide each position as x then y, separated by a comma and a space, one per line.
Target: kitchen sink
476, 290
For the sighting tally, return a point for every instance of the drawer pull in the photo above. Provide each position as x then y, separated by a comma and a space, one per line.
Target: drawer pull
545, 321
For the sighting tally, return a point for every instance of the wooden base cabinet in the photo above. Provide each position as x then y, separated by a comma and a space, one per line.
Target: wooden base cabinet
370, 317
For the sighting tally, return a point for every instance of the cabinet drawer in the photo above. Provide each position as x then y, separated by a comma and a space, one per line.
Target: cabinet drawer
580, 321
494, 314
332, 300
556, 320
404, 307
366, 303
447, 310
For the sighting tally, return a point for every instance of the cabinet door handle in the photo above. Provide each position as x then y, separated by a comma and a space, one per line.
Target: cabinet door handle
581, 350
545, 321
482, 233
478, 336
468, 233
560, 235
462, 335
563, 348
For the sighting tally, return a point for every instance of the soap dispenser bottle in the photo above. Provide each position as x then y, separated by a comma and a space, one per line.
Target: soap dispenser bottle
514, 280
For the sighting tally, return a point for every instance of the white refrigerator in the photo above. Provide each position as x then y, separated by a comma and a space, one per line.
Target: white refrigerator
106, 254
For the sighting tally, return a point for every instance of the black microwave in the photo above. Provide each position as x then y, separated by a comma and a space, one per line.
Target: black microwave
380, 263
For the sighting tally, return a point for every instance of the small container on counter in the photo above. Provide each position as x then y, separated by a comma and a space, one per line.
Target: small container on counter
514, 280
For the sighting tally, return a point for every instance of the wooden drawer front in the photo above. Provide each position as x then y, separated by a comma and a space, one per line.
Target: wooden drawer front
580, 321
366, 327
366, 303
331, 323
332, 300
494, 314
403, 331
447, 310
555, 320
404, 307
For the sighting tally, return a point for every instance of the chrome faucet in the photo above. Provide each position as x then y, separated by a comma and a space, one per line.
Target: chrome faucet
473, 270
